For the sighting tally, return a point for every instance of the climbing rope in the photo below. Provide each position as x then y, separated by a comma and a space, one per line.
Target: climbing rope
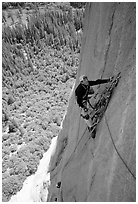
75, 149
71, 157
117, 149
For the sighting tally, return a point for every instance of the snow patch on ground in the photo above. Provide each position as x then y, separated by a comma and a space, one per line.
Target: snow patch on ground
35, 187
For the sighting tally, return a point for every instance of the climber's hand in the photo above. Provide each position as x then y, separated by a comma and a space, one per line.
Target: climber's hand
110, 79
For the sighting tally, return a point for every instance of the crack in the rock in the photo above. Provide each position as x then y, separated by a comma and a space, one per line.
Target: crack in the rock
92, 181
109, 43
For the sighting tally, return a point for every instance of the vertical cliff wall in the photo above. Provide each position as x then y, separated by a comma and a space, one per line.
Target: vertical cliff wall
93, 169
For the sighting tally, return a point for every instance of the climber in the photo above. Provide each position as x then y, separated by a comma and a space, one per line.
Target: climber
82, 92
84, 89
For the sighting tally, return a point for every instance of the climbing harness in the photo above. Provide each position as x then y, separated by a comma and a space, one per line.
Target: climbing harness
117, 149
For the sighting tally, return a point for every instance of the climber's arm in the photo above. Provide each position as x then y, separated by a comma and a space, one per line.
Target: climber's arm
99, 81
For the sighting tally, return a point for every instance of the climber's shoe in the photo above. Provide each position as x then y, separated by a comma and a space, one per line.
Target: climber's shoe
58, 185
94, 133
90, 129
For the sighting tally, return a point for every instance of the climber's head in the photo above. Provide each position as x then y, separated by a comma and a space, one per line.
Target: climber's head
84, 80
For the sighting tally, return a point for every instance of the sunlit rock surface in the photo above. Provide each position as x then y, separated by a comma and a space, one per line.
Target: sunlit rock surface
91, 169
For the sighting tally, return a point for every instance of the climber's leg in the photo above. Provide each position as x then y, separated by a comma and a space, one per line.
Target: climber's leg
90, 104
84, 102
94, 133
86, 117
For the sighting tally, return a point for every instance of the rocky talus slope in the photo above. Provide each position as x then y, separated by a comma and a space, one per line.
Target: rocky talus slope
101, 169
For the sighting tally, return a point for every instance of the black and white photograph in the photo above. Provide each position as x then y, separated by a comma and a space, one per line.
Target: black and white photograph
68, 85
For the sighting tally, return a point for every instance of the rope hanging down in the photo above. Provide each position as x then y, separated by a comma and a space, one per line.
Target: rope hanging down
117, 150
75, 149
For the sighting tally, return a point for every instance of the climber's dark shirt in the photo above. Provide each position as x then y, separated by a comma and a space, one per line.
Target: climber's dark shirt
82, 90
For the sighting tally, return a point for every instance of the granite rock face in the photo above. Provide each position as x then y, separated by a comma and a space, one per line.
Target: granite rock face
93, 170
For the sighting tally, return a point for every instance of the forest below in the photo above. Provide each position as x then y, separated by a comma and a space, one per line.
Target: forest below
40, 55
